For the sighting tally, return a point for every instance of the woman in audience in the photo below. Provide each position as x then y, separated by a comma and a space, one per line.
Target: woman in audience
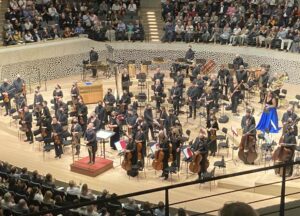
73, 189
270, 37
35, 194
261, 37
160, 210
48, 198
86, 193
226, 34
48, 181
8, 201
216, 32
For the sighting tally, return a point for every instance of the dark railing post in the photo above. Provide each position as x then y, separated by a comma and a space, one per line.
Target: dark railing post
167, 210
282, 197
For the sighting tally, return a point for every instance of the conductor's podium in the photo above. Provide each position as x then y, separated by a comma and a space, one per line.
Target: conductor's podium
91, 92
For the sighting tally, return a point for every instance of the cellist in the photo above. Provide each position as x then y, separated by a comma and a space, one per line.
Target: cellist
165, 148
200, 145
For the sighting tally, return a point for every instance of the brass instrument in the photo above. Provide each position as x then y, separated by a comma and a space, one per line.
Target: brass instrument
277, 84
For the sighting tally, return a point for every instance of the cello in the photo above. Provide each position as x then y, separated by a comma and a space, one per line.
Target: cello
194, 166
126, 163
157, 163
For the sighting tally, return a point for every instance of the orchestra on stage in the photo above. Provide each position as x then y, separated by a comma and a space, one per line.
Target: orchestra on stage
154, 130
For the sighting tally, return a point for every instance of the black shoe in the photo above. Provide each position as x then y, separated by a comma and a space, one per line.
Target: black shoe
56, 156
166, 178
27, 140
5, 114
190, 117
30, 142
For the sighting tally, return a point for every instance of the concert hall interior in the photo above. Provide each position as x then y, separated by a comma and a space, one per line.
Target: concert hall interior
149, 127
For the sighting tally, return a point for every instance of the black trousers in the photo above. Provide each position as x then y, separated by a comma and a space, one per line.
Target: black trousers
94, 72
176, 106
7, 106
92, 153
150, 127
192, 108
29, 134
234, 102
58, 149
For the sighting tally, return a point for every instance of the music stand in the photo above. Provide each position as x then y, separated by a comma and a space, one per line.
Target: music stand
233, 147
102, 135
224, 98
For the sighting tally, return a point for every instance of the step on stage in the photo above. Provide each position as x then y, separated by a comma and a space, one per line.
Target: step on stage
82, 167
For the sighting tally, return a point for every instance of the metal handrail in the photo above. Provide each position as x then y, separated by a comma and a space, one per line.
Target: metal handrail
170, 187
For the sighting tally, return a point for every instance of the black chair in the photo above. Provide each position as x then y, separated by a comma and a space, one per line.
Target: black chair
112, 208
85, 199
19, 197
7, 212
34, 184
4, 175
129, 212
71, 197
61, 193
223, 137
220, 164
45, 188
48, 206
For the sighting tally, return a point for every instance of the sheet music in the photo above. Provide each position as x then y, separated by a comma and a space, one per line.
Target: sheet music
104, 134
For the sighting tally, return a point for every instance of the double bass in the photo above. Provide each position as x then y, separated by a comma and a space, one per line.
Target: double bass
247, 149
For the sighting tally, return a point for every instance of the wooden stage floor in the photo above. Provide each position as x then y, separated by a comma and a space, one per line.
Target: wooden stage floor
21, 154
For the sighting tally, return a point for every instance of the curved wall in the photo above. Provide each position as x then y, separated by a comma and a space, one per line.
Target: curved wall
51, 60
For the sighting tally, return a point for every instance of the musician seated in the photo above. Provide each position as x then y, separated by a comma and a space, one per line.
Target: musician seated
238, 61
159, 76
289, 116
109, 100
